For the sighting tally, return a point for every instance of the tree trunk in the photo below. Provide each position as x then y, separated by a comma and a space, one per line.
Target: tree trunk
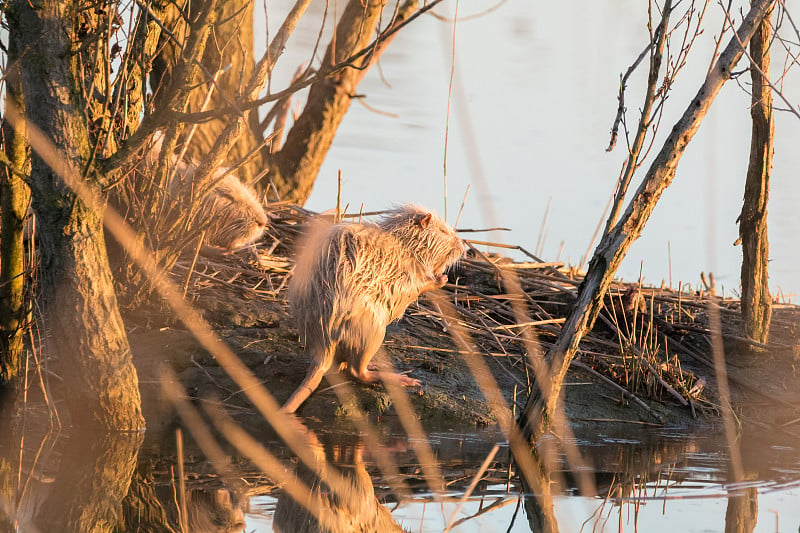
537, 416
15, 197
294, 169
83, 323
756, 300
142, 49
741, 514
229, 55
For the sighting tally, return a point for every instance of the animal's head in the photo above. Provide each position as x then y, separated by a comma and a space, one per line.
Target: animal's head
241, 217
430, 238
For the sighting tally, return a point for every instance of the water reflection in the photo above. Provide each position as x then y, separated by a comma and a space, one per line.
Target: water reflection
153, 505
349, 504
646, 481
652, 481
742, 511
59, 482
85, 480
93, 476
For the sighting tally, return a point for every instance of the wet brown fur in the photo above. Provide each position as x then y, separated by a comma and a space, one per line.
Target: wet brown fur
352, 280
231, 214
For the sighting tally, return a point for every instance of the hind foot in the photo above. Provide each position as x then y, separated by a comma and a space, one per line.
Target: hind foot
371, 376
402, 380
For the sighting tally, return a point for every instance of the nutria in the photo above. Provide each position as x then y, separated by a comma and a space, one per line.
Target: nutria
230, 214
352, 280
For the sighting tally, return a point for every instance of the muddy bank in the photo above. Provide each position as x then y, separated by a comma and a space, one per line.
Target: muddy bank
648, 360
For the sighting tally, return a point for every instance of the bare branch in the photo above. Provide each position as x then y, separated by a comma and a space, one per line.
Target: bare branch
754, 64
657, 47
623, 84
537, 415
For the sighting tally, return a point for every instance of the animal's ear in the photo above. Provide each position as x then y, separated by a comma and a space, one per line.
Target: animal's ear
423, 220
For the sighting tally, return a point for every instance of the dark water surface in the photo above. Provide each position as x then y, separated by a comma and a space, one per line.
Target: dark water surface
646, 480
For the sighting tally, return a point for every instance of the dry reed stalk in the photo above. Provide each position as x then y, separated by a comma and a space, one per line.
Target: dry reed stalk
474, 483
535, 471
54, 417
266, 405
620, 388
411, 423
486, 315
483, 511
266, 462
183, 517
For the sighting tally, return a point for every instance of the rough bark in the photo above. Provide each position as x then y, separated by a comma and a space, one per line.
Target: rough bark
294, 169
229, 54
537, 416
123, 101
14, 200
9, 466
756, 300
741, 514
80, 308
236, 126
159, 219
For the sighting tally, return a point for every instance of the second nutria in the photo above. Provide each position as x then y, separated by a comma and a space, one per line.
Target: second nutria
230, 213
352, 280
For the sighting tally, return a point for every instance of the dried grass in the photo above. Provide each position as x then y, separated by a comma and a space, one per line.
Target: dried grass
646, 340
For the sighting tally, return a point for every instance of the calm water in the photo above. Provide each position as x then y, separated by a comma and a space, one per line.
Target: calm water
647, 481
534, 98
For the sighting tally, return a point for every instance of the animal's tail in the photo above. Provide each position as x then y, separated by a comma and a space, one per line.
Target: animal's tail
316, 371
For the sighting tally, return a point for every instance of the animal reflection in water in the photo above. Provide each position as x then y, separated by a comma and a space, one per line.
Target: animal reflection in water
155, 506
213, 511
349, 506
230, 213
352, 280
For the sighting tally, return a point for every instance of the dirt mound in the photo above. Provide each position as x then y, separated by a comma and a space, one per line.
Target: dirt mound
648, 359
